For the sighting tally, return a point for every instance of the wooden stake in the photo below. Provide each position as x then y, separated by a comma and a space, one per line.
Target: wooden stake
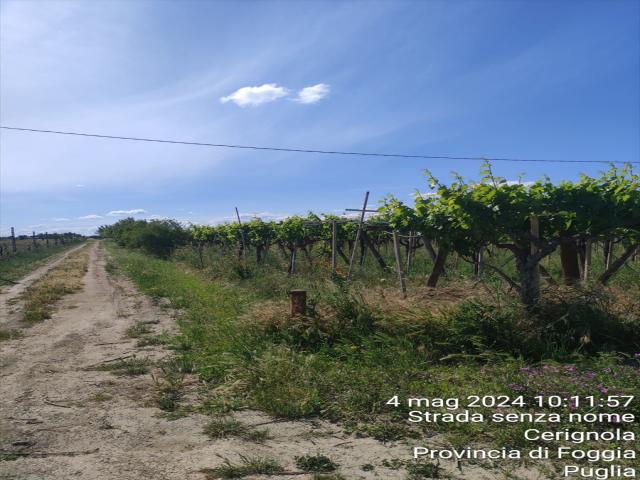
33, 238
334, 246
13, 240
478, 265
587, 259
298, 302
410, 245
355, 244
292, 264
244, 246
535, 233
396, 249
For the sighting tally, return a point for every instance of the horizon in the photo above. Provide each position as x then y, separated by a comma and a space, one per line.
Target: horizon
546, 80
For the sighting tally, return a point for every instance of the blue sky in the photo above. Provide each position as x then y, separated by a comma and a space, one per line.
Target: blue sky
529, 79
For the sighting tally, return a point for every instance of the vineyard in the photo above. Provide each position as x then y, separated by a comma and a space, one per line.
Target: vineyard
520, 233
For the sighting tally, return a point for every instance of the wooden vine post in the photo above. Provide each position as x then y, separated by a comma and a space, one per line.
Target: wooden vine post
298, 302
396, 250
587, 259
13, 240
334, 246
535, 239
358, 233
46, 239
33, 238
243, 244
478, 264
292, 262
410, 246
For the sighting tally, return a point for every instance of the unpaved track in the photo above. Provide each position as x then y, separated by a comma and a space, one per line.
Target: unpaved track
52, 405
14, 290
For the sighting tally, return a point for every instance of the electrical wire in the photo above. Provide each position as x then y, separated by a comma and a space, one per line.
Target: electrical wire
303, 150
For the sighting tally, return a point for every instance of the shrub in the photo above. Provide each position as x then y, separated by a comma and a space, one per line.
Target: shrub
156, 237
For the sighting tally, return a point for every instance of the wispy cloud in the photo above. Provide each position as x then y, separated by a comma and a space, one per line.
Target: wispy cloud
122, 213
253, 96
313, 94
93, 216
61, 219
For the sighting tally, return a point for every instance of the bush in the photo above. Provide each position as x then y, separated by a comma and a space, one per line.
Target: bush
156, 237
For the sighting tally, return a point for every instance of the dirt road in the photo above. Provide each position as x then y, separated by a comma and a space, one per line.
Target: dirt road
61, 419
67, 421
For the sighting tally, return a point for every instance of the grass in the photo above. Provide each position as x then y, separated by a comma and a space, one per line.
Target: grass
226, 427
422, 471
15, 266
100, 397
139, 329
169, 385
360, 345
131, 367
162, 339
247, 466
65, 278
10, 335
316, 463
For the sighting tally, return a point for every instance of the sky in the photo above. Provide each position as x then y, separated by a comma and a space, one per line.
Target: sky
525, 79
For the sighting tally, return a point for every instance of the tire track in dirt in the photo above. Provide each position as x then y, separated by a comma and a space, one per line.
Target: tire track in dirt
53, 404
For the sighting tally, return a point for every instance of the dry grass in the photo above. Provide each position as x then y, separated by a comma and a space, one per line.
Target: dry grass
388, 299
40, 297
385, 303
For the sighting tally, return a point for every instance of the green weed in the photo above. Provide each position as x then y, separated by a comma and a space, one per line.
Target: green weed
146, 341
132, 367
137, 330
247, 466
10, 334
316, 463
169, 384
230, 427
422, 471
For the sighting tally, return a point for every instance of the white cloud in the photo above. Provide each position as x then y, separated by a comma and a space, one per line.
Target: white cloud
61, 219
93, 216
253, 96
519, 182
122, 213
313, 94
425, 195
80, 185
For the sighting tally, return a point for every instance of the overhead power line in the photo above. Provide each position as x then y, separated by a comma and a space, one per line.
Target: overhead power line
304, 150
